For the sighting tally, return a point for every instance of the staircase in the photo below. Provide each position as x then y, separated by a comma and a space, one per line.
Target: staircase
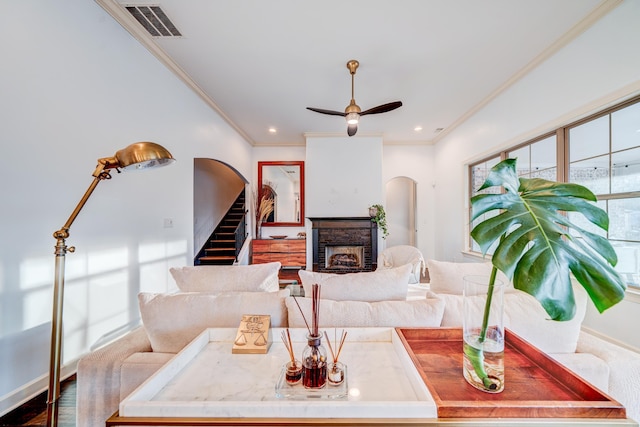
227, 239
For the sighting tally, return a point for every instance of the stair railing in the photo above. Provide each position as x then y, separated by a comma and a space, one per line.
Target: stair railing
240, 234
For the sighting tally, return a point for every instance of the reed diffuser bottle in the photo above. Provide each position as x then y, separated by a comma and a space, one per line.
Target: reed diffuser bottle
314, 363
314, 356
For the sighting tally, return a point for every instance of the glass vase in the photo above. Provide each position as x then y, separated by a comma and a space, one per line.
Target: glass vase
314, 363
483, 334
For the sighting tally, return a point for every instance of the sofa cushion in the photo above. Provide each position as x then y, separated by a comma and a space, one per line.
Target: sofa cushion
524, 315
225, 278
426, 312
380, 285
448, 277
173, 320
138, 367
587, 366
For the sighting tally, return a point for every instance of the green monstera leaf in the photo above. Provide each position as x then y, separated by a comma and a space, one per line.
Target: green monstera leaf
538, 247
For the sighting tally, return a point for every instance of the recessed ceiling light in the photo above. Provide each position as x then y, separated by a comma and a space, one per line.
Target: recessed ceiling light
417, 128
272, 130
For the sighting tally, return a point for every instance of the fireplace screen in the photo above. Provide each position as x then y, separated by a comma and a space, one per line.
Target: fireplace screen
344, 257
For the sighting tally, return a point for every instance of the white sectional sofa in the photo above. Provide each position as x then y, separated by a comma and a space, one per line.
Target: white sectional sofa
218, 296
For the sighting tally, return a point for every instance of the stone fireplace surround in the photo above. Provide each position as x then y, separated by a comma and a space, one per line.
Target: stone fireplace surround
355, 234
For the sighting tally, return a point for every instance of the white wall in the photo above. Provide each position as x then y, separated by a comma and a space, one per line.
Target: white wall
76, 87
416, 162
343, 176
595, 70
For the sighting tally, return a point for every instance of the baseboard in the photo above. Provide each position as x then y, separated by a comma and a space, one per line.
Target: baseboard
18, 397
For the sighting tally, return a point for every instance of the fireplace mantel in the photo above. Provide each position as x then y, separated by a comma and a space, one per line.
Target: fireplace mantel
340, 232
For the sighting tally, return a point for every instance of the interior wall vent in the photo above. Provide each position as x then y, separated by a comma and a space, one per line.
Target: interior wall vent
154, 20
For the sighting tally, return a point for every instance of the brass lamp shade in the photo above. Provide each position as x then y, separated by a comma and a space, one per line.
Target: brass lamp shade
143, 155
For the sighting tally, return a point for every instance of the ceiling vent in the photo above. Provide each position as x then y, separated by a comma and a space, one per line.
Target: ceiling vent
154, 20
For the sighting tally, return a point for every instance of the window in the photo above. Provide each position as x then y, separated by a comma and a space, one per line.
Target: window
537, 159
603, 154
478, 173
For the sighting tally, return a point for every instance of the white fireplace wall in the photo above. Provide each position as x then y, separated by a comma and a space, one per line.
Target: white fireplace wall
343, 175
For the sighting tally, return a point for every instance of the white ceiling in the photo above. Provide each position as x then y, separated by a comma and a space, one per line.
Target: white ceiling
260, 63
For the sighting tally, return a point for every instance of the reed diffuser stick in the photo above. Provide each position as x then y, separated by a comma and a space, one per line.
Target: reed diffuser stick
315, 303
302, 313
286, 339
342, 339
333, 355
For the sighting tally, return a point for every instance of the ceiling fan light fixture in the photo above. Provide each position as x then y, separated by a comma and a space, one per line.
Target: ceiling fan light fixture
353, 112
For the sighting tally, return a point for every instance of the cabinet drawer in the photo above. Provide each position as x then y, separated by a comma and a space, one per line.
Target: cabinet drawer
261, 245
296, 259
279, 246
289, 252
262, 258
298, 245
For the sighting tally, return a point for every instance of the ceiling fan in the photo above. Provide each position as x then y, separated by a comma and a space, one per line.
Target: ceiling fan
353, 112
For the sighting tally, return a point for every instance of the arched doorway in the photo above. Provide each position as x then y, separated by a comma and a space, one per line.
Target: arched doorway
216, 186
401, 193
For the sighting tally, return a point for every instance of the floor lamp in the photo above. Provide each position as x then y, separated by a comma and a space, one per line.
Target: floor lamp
137, 156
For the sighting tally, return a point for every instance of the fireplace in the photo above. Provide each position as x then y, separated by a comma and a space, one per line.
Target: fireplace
344, 257
344, 245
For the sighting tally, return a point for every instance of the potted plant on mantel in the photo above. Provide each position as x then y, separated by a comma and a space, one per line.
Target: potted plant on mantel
378, 215
539, 248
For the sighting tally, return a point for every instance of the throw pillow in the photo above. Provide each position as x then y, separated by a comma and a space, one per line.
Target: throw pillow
447, 277
380, 285
524, 315
174, 320
426, 312
225, 278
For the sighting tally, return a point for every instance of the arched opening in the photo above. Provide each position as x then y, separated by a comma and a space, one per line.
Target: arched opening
217, 186
401, 194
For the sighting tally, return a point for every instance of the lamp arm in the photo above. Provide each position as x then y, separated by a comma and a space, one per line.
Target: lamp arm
99, 174
58, 291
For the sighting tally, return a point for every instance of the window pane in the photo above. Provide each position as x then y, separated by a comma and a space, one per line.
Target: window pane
523, 160
626, 171
550, 174
625, 128
479, 174
628, 262
543, 154
589, 139
624, 219
580, 221
592, 173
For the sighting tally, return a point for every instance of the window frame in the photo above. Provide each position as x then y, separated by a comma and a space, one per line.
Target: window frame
562, 164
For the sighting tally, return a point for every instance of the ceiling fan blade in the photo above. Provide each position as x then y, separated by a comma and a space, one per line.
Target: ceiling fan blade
352, 129
382, 108
330, 112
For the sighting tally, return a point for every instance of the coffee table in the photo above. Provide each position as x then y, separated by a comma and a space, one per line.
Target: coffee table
205, 384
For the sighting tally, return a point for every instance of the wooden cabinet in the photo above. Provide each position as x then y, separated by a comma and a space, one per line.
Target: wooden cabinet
291, 253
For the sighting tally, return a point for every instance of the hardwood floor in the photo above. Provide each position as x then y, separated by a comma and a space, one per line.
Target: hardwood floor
34, 412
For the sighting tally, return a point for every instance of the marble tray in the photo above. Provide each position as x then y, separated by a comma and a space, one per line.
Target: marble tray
206, 380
